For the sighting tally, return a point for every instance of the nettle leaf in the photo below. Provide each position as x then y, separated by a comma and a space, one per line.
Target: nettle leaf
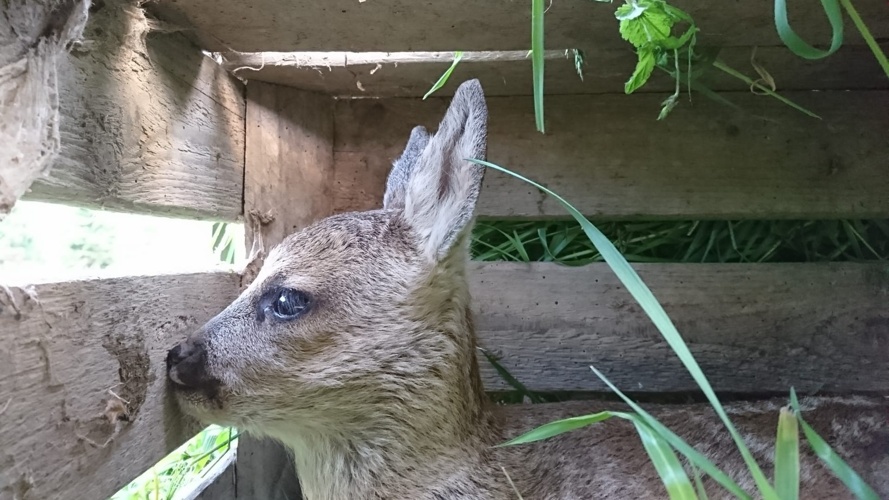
644, 66
672, 42
629, 11
652, 26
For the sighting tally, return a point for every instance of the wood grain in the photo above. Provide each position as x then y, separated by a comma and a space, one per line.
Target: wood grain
64, 347
753, 328
607, 155
427, 25
347, 74
148, 124
288, 184
288, 180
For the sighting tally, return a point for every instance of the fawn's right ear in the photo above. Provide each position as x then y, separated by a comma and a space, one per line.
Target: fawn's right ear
442, 184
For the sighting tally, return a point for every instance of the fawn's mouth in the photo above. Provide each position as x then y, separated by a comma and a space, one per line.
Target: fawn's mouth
187, 373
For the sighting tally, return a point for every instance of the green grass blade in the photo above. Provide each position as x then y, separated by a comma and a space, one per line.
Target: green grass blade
508, 378
796, 44
866, 34
718, 64
652, 307
787, 456
537, 60
662, 457
443, 79
837, 465
695, 457
557, 427
219, 230
699, 485
665, 463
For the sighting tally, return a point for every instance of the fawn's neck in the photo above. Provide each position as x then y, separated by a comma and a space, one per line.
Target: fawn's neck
400, 448
400, 452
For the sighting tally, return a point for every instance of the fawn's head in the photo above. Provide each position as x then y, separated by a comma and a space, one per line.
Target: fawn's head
355, 316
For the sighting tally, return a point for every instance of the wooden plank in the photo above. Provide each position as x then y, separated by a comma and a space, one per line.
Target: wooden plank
33, 35
265, 470
406, 74
754, 328
427, 25
288, 184
288, 181
64, 348
148, 124
609, 156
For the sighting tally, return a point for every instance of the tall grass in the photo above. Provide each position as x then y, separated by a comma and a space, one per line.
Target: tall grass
686, 241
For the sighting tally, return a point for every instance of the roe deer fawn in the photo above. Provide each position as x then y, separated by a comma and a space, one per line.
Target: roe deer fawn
354, 346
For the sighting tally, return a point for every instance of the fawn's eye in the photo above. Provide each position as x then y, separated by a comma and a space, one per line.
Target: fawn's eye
287, 304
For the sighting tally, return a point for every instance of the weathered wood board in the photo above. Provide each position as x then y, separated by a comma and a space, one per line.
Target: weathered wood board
427, 25
33, 35
288, 184
149, 124
64, 348
753, 328
346, 74
609, 156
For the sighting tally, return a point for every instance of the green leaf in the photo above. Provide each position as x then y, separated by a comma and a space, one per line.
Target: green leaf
443, 79
837, 465
662, 457
796, 44
787, 456
537, 60
676, 43
699, 485
866, 34
653, 26
629, 11
665, 462
557, 427
695, 457
644, 67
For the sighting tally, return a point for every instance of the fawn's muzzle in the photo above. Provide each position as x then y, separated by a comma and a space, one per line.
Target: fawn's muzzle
187, 366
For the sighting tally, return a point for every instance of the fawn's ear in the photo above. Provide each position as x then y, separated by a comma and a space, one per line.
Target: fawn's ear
396, 184
443, 187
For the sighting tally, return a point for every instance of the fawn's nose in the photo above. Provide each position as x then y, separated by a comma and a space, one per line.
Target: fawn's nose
187, 365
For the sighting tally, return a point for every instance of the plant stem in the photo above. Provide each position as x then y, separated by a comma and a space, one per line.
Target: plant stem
718, 64
537, 60
865, 33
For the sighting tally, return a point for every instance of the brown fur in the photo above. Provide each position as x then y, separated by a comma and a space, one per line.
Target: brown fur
376, 387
